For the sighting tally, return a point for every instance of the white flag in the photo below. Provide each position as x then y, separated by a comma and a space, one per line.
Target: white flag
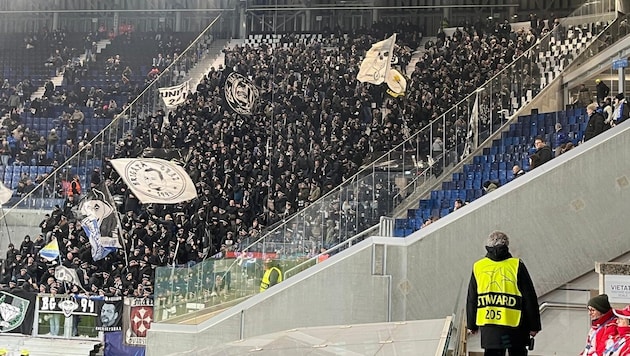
154, 180
175, 95
63, 273
473, 123
5, 194
375, 66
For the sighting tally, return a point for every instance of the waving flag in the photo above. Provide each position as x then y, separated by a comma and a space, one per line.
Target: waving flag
51, 251
63, 273
5, 194
97, 212
375, 67
473, 123
154, 180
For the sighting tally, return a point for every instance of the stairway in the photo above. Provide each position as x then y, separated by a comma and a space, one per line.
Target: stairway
58, 80
214, 57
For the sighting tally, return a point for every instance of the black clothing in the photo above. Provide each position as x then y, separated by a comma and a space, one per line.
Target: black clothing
501, 337
596, 125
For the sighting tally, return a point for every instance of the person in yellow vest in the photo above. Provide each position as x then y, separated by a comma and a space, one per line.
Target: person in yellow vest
272, 275
502, 302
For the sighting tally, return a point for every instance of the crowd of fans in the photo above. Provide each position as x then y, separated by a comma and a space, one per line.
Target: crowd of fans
316, 125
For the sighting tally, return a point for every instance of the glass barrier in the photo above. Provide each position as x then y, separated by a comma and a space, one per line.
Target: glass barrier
341, 213
388, 183
42, 180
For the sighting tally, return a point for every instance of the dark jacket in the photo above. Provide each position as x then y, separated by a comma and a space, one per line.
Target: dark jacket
596, 125
498, 337
541, 156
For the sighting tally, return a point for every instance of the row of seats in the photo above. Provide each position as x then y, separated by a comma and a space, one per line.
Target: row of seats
495, 164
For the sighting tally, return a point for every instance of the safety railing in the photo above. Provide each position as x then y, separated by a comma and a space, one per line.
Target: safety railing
378, 189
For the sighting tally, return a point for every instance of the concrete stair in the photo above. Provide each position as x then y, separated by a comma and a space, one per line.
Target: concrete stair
39, 346
213, 57
57, 80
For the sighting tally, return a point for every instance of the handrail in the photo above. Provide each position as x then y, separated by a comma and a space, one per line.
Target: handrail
548, 305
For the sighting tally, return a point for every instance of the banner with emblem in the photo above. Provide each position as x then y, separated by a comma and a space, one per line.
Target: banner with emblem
97, 213
175, 95
154, 180
17, 311
137, 320
110, 311
375, 67
240, 93
396, 83
67, 305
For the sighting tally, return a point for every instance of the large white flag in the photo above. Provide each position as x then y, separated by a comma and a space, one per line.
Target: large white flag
5, 194
375, 66
473, 123
154, 180
175, 95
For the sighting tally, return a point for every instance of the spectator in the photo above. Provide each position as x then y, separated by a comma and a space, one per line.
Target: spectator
608, 112
503, 325
271, 276
517, 171
603, 325
596, 122
621, 342
542, 155
622, 110
559, 138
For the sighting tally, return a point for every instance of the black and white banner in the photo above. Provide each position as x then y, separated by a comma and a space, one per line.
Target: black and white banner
175, 95
375, 67
240, 93
67, 305
154, 180
109, 314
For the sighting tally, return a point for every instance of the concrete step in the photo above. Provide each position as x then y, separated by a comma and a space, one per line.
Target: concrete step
42, 346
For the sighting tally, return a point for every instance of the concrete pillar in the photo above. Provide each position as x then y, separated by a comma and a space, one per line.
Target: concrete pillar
178, 21
306, 20
55, 21
446, 14
116, 22
622, 79
242, 23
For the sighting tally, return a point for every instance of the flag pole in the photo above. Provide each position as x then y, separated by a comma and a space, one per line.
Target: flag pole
6, 226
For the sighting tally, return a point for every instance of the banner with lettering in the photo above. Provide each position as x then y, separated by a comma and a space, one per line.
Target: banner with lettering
67, 305
138, 316
175, 95
110, 311
154, 180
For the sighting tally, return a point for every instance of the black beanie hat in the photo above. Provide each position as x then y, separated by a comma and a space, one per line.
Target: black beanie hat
600, 303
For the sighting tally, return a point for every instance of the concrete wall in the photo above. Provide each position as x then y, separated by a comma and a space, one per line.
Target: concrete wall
19, 222
339, 292
561, 217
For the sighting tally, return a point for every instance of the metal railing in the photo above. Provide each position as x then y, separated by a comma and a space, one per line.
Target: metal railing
378, 189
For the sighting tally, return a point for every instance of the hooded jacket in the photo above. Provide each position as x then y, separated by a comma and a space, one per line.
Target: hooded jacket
502, 337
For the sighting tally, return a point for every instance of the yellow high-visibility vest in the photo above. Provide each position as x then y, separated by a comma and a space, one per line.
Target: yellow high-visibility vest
264, 283
499, 301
